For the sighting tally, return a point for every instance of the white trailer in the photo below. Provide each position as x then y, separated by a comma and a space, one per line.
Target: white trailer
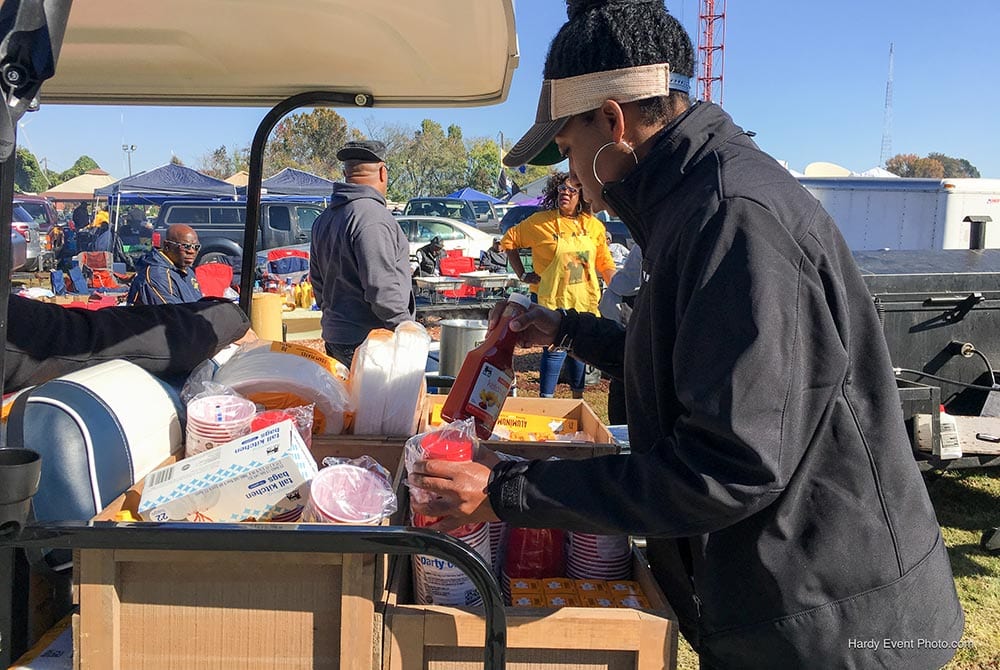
891, 213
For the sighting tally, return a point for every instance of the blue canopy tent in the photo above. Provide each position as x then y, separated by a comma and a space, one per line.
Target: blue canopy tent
154, 186
296, 182
469, 193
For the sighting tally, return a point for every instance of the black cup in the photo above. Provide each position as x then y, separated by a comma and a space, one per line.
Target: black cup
20, 471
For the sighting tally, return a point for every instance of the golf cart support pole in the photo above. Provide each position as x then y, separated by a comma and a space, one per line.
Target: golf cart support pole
254, 537
267, 124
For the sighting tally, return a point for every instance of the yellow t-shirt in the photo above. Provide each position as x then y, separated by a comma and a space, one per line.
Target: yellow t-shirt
539, 232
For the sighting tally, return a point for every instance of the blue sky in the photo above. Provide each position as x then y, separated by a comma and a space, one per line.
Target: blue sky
808, 77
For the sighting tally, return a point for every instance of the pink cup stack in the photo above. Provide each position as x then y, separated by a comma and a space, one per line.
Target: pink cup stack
216, 419
345, 493
590, 556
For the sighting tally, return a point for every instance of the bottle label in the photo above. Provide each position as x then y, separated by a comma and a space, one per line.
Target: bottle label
488, 394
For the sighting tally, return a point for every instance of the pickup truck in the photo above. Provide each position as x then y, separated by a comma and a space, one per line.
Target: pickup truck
220, 224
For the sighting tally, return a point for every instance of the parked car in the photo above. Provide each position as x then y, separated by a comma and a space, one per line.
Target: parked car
27, 227
40, 208
515, 215
220, 224
454, 234
486, 216
451, 208
18, 251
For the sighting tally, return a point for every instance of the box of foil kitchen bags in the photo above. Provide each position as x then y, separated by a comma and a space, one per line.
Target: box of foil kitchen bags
263, 476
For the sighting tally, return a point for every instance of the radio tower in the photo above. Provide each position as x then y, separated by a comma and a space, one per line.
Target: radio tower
887, 117
711, 49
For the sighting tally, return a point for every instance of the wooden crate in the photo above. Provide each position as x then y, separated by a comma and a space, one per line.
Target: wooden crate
427, 637
151, 609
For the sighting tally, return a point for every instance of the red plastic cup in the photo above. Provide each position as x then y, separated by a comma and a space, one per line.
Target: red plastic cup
535, 553
446, 446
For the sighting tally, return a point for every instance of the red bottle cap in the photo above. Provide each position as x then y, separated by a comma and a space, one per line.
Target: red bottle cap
447, 446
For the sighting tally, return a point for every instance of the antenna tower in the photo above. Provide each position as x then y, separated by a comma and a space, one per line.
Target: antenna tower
711, 48
887, 117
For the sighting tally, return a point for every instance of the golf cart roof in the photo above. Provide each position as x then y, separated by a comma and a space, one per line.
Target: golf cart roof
259, 52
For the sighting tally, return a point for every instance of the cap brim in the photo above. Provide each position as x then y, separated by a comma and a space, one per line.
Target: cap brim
359, 154
537, 146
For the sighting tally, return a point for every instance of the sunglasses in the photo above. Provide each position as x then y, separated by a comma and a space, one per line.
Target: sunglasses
565, 188
186, 246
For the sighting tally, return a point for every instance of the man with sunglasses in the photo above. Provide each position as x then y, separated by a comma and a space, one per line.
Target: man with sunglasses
166, 275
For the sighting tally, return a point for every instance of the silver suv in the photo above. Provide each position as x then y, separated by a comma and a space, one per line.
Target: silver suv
28, 228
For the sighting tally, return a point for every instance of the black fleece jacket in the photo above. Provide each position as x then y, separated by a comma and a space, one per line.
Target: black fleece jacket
45, 341
787, 521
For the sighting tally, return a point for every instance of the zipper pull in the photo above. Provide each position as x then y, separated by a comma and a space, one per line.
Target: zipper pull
697, 603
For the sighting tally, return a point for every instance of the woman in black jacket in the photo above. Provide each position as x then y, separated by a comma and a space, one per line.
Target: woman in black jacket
770, 470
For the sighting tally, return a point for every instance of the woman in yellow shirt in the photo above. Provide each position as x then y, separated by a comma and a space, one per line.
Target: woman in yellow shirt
568, 250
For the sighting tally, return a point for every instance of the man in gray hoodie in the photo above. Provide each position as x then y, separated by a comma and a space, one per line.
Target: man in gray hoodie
359, 261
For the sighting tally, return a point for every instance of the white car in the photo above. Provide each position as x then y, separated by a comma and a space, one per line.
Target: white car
454, 234
419, 231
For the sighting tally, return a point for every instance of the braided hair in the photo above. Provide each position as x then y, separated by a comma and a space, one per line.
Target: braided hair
550, 196
605, 35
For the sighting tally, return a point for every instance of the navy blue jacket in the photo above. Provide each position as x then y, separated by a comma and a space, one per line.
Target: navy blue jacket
158, 281
359, 266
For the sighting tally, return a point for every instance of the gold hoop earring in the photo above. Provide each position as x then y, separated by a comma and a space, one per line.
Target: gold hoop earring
610, 144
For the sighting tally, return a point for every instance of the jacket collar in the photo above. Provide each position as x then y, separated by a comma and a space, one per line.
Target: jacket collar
674, 152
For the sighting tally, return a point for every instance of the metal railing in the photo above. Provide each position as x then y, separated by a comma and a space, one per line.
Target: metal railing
254, 537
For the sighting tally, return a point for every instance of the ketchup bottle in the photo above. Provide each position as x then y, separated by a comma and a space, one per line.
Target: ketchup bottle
487, 374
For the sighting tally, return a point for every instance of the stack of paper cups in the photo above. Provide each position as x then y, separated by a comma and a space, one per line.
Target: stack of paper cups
439, 582
216, 419
345, 493
591, 556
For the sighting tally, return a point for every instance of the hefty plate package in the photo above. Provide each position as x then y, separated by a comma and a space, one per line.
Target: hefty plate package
263, 476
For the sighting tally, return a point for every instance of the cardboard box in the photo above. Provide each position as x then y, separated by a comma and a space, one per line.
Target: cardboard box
558, 585
262, 475
152, 609
527, 599
624, 587
418, 637
562, 600
560, 409
591, 588
518, 584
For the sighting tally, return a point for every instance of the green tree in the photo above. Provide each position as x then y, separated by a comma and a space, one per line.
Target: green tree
224, 162
397, 139
428, 162
933, 166
28, 176
484, 166
175, 160
955, 168
82, 164
308, 141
